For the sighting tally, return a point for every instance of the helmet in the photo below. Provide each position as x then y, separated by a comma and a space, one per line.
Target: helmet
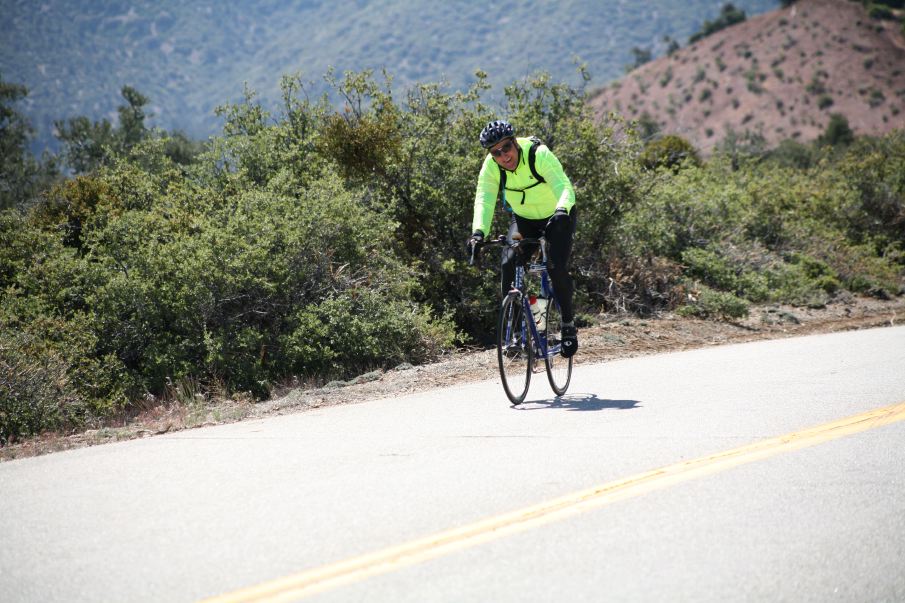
494, 132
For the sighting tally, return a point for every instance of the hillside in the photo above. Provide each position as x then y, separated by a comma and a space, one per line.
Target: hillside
189, 57
780, 75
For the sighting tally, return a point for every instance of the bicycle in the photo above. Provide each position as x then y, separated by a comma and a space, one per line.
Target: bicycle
520, 343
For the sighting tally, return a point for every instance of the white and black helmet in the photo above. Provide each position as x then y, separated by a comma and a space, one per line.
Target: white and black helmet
496, 131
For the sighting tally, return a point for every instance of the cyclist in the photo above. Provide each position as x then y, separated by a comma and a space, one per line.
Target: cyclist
541, 201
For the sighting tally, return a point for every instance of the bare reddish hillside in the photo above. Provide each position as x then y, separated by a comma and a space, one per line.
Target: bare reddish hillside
780, 74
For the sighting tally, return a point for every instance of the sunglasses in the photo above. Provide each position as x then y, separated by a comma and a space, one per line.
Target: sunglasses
503, 149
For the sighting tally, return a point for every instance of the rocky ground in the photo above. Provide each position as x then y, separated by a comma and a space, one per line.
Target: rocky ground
613, 337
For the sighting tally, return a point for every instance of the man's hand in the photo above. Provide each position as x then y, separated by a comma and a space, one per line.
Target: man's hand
560, 216
472, 244
474, 240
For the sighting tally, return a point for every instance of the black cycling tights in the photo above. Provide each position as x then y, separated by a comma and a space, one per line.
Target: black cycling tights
559, 238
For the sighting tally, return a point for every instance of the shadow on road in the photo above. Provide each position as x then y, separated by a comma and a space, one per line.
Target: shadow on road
579, 402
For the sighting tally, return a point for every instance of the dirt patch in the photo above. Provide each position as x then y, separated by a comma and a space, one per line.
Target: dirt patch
612, 338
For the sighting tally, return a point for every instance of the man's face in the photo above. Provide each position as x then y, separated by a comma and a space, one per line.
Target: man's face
505, 153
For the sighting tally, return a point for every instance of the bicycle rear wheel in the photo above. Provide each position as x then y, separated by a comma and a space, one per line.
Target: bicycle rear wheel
514, 350
559, 369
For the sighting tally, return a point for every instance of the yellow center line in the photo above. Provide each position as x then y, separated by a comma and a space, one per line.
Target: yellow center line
302, 584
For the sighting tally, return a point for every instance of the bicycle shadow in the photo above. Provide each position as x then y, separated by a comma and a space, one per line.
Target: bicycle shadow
578, 402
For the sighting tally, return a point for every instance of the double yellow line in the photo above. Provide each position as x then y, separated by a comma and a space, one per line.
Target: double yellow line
294, 587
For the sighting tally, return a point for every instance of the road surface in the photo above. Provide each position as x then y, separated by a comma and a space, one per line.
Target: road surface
684, 477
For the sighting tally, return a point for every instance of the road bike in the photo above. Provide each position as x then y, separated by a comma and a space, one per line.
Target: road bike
526, 333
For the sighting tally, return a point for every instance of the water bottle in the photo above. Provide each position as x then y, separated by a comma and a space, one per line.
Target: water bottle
538, 311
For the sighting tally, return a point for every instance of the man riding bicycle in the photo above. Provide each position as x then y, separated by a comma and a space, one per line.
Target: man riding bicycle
541, 202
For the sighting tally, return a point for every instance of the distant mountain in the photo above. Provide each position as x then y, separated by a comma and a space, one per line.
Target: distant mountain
189, 56
780, 75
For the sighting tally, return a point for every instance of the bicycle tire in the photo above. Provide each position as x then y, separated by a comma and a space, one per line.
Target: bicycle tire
559, 369
515, 354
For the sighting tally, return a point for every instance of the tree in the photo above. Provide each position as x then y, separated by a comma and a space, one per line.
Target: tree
669, 151
88, 145
648, 127
729, 15
642, 56
672, 45
132, 118
21, 175
838, 133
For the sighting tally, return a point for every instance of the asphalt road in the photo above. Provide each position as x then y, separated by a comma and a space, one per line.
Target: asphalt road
204, 512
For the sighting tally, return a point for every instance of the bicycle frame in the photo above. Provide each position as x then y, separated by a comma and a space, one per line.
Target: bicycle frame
518, 288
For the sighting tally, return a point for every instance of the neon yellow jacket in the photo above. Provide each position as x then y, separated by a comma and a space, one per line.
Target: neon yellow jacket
535, 203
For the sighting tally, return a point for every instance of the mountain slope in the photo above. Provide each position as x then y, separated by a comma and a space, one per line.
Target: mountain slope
780, 75
189, 56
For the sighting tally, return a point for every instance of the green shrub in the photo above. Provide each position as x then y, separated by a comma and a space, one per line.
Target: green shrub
219, 299
51, 378
729, 15
723, 272
708, 303
871, 209
362, 330
669, 151
34, 389
837, 133
691, 208
709, 267
880, 11
802, 281
792, 154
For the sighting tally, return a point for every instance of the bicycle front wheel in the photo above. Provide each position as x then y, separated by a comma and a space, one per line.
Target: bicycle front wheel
559, 369
514, 351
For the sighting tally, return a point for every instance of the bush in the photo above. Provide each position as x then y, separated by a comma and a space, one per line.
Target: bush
802, 281
709, 267
223, 297
51, 378
837, 133
870, 205
359, 331
669, 151
704, 302
792, 154
880, 11
729, 15
35, 392
640, 285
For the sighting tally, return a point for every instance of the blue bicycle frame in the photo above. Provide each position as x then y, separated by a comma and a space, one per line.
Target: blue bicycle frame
542, 351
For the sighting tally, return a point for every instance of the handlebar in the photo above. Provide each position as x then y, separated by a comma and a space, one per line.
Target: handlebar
517, 241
